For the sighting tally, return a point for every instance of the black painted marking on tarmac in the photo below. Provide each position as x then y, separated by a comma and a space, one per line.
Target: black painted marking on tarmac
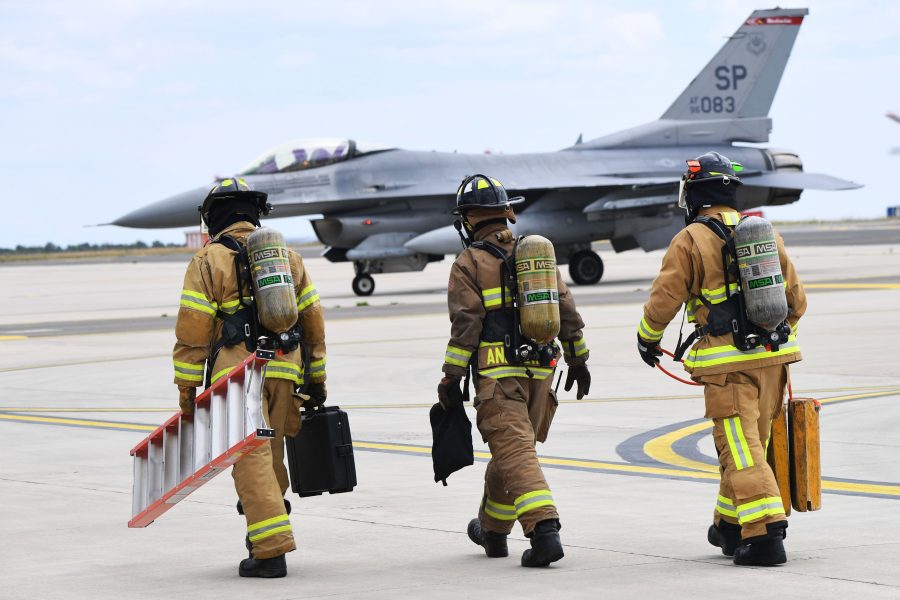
632, 449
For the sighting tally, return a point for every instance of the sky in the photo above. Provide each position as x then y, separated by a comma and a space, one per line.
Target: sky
108, 105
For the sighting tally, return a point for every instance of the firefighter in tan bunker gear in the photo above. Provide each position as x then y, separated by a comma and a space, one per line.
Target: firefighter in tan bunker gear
515, 402
210, 341
742, 389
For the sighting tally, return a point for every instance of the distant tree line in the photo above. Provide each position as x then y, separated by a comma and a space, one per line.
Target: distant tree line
85, 247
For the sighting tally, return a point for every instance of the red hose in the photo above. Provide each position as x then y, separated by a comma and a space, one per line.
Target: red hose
672, 375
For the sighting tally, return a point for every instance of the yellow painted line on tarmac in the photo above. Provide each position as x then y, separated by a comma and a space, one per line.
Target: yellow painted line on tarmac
396, 448
76, 422
888, 489
592, 465
661, 449
9, 338
852, 286
865, 488
623, 468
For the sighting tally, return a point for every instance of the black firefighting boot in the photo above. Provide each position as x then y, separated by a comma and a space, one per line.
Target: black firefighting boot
263, 567
725, 535
765, 550
545, 545
494, 543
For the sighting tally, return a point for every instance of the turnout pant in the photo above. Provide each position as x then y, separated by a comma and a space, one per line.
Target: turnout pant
742, 405
514, 413
261, 478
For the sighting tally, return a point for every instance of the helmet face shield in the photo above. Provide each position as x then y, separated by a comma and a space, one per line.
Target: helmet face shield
682, 192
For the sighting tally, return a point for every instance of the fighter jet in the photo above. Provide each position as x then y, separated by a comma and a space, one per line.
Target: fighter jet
388, 210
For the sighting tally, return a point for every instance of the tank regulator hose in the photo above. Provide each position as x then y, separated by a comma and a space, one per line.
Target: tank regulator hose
672, 375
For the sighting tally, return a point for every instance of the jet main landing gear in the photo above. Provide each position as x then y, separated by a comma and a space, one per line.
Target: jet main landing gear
586, 267
363, 284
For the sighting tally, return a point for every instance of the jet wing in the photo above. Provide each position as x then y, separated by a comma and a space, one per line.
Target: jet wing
799, 180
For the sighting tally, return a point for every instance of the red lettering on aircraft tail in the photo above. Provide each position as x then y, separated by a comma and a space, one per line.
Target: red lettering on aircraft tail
775, 21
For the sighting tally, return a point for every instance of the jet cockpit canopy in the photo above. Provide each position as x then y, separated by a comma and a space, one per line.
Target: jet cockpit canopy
298, 155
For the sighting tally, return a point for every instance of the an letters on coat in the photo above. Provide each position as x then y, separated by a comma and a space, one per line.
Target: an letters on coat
496, 356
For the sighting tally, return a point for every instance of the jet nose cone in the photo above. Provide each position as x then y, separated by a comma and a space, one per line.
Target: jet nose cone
179, 210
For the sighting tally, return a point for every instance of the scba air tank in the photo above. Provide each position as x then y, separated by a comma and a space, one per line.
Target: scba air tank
762, 282
538, 293
273, 286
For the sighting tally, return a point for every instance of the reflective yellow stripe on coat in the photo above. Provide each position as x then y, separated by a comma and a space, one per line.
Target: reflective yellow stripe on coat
197, 301
458, 357
492, 297
188, 371
308, 296
727, 354
539, 373
574, 349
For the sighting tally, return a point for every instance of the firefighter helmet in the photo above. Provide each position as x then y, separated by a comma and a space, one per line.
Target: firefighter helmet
234, 188
481, 191
715, 174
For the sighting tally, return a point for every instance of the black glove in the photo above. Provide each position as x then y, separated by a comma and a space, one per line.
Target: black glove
450, 393
580, 374
649, 351
317, 394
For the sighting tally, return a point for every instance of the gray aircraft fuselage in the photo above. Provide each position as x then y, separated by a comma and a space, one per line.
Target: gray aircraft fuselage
388, 210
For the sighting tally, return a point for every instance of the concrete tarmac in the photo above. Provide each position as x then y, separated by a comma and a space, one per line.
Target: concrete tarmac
85, 373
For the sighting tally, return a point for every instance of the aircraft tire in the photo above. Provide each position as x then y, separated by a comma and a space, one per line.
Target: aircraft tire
586, 267
363, 285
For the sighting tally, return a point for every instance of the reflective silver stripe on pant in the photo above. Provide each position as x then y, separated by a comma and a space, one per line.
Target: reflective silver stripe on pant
263, 532
738, 443
534, 502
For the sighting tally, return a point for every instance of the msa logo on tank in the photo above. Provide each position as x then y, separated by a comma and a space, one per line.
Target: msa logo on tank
537, 264
757, 249
537, 280
273, 252
759, 264
271, 266
542, 297
762, 282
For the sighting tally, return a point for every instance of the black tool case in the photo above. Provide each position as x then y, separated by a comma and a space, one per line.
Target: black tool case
320, 457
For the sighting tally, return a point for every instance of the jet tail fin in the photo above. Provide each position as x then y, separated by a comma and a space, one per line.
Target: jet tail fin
740, 81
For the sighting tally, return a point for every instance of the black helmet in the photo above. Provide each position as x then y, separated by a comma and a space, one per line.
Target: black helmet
235, 189
481, 191
710, 178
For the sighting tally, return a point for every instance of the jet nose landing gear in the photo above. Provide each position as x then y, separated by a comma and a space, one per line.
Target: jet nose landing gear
586, 267
363, 284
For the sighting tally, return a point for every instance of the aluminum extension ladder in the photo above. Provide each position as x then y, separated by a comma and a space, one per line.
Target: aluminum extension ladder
187, 451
